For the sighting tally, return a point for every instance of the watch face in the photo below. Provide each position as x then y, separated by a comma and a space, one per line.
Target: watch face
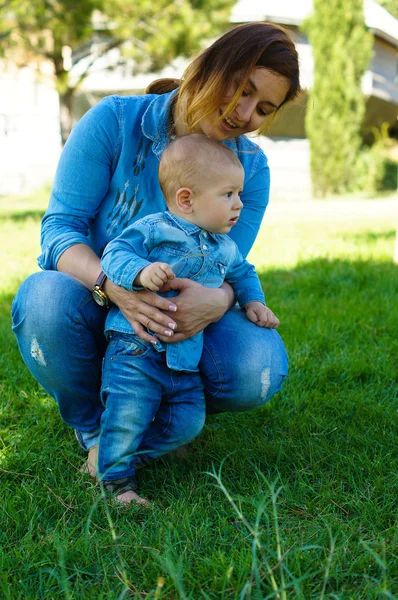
100, 297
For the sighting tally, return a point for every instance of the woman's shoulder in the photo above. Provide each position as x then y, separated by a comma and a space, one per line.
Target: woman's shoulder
114, 111
249, 153
126, 105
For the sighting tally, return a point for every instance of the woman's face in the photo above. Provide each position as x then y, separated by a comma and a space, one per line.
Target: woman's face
263, 94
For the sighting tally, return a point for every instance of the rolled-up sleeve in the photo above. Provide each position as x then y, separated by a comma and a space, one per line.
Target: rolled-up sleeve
81, 181
244, 280
126, 256
255, 197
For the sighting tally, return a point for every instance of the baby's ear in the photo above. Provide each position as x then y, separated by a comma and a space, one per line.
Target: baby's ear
184, 197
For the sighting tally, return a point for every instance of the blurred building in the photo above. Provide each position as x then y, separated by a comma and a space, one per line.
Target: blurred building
286, 145
29, 138
29, 127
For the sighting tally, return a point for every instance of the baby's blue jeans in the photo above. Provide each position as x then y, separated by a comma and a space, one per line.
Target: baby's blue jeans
149, 408
59, 329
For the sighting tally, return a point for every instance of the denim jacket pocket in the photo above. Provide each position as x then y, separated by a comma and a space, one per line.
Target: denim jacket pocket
131, 345
221, 270
215, 275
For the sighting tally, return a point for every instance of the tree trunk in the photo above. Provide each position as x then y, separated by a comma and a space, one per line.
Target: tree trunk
65, 114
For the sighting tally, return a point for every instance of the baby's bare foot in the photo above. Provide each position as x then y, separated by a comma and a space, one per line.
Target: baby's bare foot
90, 466
129, 497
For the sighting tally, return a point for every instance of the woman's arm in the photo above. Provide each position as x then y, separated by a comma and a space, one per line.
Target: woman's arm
255, 197
81, 182
141, 309
82, 263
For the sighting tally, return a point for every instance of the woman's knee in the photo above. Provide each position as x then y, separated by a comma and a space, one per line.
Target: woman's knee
50, 313
46, 298
247, 375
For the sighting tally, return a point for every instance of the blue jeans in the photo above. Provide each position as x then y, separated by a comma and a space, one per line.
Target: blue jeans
59, 329
149, 408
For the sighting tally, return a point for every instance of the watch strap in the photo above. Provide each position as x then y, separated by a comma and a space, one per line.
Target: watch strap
100, 281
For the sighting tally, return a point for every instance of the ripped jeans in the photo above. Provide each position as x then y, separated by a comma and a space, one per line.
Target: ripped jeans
148, 407
59, 329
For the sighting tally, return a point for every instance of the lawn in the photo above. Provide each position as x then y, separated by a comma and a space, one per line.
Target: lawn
297, 499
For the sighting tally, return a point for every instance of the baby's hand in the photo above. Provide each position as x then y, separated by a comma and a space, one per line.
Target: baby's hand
154, 276
261, 315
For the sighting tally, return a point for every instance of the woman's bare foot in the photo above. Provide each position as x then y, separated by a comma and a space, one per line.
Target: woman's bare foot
129, 497
90, 466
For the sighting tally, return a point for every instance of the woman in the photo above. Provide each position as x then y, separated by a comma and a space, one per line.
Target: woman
107, 178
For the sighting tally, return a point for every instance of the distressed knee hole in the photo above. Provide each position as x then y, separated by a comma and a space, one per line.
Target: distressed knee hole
37, 353
265, 382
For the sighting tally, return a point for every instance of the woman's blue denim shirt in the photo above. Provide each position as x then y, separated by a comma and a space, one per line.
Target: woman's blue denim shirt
107, 177
192, 252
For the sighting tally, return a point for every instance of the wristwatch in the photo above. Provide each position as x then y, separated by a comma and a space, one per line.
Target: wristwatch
98, 293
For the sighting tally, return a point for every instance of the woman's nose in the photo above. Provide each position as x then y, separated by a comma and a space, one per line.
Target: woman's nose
245, 109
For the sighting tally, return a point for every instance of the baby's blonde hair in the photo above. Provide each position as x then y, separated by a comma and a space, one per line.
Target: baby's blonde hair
192, 161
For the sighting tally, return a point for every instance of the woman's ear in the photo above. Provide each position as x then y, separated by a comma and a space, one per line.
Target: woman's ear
184, 198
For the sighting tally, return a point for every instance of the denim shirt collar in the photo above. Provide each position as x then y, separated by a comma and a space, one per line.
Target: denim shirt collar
155, 122
187, 227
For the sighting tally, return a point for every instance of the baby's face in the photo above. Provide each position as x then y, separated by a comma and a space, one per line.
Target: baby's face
217, 206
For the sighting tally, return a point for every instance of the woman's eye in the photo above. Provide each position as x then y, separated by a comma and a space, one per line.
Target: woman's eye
261, 112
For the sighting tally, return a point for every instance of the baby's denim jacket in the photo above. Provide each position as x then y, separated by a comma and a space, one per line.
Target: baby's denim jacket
207, 258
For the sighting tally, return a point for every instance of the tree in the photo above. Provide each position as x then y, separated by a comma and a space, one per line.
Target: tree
391, 6
152, 32
342, 49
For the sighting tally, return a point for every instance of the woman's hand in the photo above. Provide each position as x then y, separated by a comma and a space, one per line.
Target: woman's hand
198, 306
145, 309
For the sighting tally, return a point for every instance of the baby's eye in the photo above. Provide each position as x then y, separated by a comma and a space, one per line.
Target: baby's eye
229, 194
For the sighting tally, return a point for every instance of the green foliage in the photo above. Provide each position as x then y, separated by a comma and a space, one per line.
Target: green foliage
40, 28
305, 504
376, 170
163, 30
391, 6
152, 32
342, 49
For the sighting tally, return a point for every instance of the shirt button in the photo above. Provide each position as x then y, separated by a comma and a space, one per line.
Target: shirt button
204, 233
204, 247
222, 271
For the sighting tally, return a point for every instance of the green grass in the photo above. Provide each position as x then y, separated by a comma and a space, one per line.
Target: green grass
294, 500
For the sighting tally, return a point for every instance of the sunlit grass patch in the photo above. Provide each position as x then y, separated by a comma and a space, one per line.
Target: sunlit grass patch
305, 503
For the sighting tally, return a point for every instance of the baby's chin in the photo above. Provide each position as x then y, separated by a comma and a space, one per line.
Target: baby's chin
225, 229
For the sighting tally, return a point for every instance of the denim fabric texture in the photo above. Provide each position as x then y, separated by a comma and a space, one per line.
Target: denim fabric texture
60, 333
136, 382
207, 258
107, 179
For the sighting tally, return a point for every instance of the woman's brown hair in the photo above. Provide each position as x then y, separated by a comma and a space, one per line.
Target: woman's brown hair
206, 79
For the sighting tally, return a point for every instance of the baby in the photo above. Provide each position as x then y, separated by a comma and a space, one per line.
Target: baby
152, 392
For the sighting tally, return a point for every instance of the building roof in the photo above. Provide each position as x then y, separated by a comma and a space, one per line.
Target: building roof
293, 12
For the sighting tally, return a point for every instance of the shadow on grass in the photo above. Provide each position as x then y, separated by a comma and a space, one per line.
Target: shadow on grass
327, 438
338, 320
